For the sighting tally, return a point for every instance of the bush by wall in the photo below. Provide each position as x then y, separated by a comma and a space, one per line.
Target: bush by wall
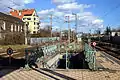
13, 38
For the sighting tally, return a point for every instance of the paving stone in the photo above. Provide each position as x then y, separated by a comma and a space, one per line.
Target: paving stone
106, 62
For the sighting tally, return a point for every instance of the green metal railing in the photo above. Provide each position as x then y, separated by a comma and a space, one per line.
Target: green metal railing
36, 54
90, 56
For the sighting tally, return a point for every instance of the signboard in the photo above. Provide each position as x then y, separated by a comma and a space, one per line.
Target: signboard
9, 51
94, 44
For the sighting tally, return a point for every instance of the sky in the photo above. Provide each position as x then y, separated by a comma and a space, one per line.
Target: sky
91, 14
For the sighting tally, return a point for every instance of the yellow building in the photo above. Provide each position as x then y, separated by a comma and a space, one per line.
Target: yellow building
30, 17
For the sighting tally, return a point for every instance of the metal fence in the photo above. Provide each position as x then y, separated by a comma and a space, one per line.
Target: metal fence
90, 56
36, 54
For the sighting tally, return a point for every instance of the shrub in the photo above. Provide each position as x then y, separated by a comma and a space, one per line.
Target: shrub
13, 38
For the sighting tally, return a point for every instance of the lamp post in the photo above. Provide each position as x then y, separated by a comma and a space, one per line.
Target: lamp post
66, 58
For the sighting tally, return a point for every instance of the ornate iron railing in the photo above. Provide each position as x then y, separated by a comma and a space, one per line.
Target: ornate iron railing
90, 56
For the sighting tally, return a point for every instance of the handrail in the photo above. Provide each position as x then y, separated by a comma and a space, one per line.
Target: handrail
35, 53
90, 56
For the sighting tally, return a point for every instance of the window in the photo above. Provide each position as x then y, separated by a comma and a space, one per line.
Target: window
37, 27
15, 27
27, 23
4, 25
34, 32
21, 28
24, 18
18, 27
28, 18
37, 23
34, 18
34, 14
34, 23
11, 27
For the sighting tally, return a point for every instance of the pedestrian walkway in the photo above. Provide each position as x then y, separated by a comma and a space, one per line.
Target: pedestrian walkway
61, 74
24, 75
106, 61
109, 69
78, 74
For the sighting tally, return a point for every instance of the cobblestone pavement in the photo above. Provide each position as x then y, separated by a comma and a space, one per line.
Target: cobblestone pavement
25, 75
106, 62
91, 75
76, 74
111, 72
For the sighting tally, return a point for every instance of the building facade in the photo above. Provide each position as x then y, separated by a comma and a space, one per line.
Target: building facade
115, 33
10, 25
30, 17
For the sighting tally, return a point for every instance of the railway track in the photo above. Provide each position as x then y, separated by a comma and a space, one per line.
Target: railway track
109, 51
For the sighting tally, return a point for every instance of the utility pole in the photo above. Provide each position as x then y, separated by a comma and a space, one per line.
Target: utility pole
68, 21
75, 35
76, 24
51, 16
60, 40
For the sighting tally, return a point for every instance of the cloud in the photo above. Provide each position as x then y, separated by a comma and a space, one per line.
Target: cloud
46, 12
97, 21
16, 4
87, 19
50, 11
58, 13
73, 6
66, 8
62, 1
56, 28
28, 1
43, 25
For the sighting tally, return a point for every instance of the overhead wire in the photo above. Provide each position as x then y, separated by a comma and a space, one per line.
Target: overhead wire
113, 9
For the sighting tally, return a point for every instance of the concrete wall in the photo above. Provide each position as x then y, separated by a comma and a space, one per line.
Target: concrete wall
42, 39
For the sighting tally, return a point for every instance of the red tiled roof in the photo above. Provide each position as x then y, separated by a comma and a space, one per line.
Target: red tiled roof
15, 13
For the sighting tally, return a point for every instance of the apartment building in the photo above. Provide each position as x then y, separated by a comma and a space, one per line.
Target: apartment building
29, 16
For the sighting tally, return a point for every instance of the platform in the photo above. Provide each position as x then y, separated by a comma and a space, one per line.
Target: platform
106, 61
109, 69
61, 74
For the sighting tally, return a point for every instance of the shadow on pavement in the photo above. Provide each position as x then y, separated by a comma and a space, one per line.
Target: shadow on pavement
76, 61
6, 68
54, 73
45, 74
